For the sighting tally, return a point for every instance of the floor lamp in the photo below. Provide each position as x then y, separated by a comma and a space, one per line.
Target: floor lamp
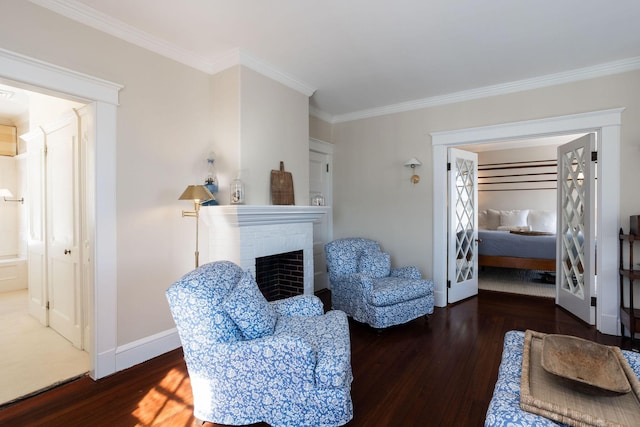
199, 194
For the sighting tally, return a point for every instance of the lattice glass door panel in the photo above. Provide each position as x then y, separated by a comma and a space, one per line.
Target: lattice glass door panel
464, 215
576, 209
463, 218
572, 232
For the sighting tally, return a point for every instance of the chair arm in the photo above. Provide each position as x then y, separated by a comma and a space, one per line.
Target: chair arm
299, 305
410, 272
352, 282
289, 358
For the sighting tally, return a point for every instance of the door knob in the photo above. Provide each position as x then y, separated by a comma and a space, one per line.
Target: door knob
67, 251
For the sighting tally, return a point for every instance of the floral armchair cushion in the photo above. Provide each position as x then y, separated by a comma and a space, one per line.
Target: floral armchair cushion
249, 309
375, 264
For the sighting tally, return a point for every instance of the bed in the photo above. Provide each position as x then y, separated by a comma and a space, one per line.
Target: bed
517, 249
517, 238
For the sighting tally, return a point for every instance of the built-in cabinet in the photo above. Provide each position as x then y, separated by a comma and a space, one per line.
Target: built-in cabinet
8, 146
629, 315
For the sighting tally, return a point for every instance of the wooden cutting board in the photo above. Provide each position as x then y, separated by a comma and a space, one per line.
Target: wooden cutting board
282, 187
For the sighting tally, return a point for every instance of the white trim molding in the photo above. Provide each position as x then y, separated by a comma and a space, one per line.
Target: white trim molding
606, 124
93, 18
141, 350
609, 68
38, 75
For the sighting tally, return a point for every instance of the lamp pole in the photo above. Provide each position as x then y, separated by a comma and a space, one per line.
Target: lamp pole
199, 194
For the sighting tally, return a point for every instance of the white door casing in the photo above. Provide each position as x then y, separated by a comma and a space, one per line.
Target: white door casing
576, 228
607, 124
462, 277
37, 75
320, 181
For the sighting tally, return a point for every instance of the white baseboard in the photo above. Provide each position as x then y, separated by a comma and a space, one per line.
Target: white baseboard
139, 351
610, 325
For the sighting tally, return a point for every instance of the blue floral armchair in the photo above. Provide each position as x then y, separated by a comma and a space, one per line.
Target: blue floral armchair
364, 285
285, 362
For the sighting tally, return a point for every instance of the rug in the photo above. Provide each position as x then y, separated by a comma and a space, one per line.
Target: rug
517, 281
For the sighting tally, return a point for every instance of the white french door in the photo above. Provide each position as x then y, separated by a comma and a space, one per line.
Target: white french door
576, 283
462, 257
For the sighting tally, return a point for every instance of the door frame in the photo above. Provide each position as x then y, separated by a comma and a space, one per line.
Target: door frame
326, 149
457, 291
100, 195
606, 123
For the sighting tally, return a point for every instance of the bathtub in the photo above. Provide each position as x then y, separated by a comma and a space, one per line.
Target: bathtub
13, 273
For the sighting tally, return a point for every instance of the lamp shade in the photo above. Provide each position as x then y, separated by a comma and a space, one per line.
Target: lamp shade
413, 162
5, 193
197, 193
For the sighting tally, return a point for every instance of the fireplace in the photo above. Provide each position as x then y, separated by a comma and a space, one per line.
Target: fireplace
244, 233
281, 275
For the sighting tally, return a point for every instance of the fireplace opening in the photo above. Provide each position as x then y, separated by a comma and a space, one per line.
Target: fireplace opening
281, 275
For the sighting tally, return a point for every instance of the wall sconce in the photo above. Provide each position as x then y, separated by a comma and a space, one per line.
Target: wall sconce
4, 193
199, 194
412, 163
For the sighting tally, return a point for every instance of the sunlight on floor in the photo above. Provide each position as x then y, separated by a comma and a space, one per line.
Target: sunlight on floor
170, 399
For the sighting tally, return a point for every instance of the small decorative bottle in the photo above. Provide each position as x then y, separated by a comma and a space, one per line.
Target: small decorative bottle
237, 192
317, 200
212, 180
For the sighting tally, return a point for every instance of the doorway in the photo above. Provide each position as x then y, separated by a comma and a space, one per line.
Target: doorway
607, 124
45, 341
518, 179
320, 193
21, 71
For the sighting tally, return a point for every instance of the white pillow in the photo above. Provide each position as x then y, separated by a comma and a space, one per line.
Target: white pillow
542, 221
493, 219
482, 219
514, 218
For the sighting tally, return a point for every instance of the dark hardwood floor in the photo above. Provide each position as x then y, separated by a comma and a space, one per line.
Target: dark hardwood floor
439, 372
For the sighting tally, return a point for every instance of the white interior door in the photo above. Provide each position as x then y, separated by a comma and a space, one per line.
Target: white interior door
63, 246
36, 240
462, 257
320, 182
576, 283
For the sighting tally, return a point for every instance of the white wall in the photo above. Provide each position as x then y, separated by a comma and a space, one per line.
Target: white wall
520, 198
373, 196
274, 127
166, 127
163, 127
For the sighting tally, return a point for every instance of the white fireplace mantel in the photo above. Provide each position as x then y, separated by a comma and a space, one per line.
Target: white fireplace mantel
245, 215
241, 233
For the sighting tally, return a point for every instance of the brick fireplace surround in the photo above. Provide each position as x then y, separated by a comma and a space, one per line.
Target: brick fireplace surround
243, 233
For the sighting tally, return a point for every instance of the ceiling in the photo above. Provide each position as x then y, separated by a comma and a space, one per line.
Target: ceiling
360, 58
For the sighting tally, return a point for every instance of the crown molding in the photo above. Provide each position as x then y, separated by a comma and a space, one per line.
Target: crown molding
28, 71
79, 12
83, 14
319, 114
601, 70
265, 69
